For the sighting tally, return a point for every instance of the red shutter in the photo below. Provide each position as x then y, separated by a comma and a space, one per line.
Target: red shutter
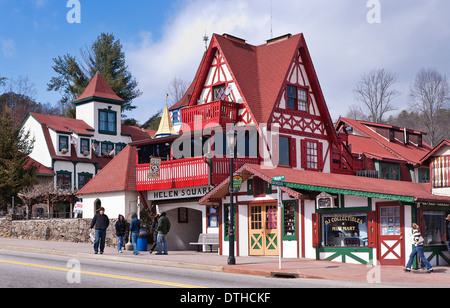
315, 230
303, 152
320, 162
372, 229
293, 152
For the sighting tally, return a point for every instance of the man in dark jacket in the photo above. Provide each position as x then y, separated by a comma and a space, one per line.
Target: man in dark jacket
163, 229
101, 223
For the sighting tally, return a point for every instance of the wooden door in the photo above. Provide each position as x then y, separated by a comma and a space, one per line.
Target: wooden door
263, 232
391, 244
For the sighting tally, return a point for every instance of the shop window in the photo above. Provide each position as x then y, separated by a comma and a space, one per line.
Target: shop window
290, 221
434, 229
212, 214
344, 230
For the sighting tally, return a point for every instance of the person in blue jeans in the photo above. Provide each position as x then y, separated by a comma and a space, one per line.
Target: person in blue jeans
135, 227
120, 228
163, 229
101, 223
418, 249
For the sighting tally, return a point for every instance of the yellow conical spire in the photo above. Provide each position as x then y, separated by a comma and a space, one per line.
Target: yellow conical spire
165, 126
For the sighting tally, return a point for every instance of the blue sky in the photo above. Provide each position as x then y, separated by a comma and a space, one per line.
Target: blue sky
163, 39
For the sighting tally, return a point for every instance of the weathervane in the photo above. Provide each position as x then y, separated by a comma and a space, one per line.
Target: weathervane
206, 39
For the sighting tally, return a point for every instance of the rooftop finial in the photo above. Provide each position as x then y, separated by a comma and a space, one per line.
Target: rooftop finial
206, 40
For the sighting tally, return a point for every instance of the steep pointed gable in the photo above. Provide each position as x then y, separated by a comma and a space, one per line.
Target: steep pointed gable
260, 74
98, 88
118, 175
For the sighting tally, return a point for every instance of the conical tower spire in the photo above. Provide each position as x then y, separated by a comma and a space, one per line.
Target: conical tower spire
165, 126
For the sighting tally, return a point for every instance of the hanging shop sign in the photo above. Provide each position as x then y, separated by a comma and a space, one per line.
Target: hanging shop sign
155, 167
237, 183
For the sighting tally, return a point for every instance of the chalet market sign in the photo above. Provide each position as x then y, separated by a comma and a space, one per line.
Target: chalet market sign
179, 193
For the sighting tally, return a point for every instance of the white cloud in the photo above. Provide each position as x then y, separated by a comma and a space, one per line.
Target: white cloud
343, 45
8, 47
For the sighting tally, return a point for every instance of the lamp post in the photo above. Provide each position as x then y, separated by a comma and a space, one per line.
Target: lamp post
231, 141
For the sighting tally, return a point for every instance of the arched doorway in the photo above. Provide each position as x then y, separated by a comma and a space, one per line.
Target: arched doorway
186, 225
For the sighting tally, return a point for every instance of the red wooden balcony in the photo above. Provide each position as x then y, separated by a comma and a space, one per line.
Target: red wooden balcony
189, 172
218, 112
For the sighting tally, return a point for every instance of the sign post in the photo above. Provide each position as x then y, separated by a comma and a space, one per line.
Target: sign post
279, 181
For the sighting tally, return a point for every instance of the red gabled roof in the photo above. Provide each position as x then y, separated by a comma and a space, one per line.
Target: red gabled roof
99, 88
443, 143
137, 133
64, 125
42, 170
379, 147
259, 73
348, 184
118, 175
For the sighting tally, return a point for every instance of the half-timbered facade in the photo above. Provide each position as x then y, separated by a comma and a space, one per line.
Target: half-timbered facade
300, 196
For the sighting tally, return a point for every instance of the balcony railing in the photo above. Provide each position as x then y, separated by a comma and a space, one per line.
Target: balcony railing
218, 112
189, 172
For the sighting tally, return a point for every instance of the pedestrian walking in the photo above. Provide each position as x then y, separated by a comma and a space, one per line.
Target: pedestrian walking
154, 232
163, 229
135, 227
418, 242
120, 229
101, 223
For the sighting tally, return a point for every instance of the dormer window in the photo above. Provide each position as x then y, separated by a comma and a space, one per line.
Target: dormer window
297, 98
85, 146
63, 146
107, 123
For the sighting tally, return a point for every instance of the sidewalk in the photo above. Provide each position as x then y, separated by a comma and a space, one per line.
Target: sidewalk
262, 266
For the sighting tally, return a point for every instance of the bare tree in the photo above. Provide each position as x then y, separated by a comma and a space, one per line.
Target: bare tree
176, 89
355, 112
375, 92
430, 95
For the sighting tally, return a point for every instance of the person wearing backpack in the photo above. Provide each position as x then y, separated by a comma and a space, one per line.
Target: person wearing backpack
418, 242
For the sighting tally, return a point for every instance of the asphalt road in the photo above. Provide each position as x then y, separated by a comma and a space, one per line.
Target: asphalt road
30, 270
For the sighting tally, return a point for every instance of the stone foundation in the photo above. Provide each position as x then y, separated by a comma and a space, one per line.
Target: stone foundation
63, 230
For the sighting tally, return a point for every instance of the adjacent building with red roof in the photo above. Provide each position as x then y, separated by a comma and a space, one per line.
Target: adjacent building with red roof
390, 152
77, 149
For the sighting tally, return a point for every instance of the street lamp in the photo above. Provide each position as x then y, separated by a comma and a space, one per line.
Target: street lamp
231, 141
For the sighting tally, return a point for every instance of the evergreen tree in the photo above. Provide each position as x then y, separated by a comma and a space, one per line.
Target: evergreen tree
106, 57
15, 171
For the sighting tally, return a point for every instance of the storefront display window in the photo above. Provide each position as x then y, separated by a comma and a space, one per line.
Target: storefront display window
213, 216
289, 220
434, 231
344, 230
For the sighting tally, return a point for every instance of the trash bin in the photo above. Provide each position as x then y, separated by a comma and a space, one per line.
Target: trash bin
142, 244
142, 239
